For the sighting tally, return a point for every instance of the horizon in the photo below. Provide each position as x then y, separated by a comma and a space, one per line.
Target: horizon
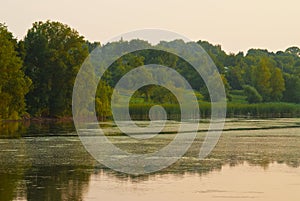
121, 38
236, 26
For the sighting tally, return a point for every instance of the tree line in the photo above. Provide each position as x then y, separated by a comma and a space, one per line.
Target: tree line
38, 72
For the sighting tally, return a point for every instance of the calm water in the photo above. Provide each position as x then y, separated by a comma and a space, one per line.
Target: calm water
48, 162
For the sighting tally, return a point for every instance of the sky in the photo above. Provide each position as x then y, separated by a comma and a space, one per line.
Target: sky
237, 25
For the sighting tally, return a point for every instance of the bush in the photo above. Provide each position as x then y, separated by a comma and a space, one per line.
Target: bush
252, 94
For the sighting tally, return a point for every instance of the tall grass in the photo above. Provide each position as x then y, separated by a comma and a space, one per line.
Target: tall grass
140, 111
264, 110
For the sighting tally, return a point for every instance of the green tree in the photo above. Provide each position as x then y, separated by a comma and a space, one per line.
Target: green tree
277, 84
216, 80
219, 57
13, 83
92, 45
292, 91
227, 87
252, 94
261, 78
54, 54
294, 51
234, 77
103, 99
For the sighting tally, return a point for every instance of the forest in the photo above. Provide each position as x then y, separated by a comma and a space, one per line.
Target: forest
38, 73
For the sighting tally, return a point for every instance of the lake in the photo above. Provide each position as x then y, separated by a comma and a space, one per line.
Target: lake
253, 160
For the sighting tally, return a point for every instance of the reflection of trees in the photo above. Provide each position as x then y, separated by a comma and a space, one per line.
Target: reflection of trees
56, 183
46, 128
13, 129
12, 165
42, 168
38, 174
59, 168
9, 184
234, 148
17, 129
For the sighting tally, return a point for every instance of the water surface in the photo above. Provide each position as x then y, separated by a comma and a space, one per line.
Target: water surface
254, 160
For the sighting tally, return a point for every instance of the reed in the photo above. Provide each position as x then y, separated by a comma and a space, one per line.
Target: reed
140, 111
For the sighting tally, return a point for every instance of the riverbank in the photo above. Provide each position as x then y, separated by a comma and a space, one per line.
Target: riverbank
233, 110
40, 127
140, 111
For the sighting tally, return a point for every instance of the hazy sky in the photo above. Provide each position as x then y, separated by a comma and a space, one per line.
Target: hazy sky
235, 24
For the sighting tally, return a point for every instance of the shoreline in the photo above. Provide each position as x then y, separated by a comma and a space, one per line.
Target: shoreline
70, 119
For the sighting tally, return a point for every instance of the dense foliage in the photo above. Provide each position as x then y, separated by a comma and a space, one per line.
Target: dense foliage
54, 54
13, 83
38, 73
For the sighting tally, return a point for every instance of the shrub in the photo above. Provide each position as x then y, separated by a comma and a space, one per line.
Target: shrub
252, 94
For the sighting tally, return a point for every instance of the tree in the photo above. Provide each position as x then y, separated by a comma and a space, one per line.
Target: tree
277, 85
92, 45
261, 78
54, 54
216, 53
234, 77
216, 80
13, 83
103, 99
293, 50
227, 87
252, 94
292, 91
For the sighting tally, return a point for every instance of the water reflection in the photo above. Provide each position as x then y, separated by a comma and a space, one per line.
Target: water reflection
56, 183
57, 167
10, 185
17, 129
242, 182
13, 129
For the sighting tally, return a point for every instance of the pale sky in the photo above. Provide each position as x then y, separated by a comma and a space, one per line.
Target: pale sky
235, 24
